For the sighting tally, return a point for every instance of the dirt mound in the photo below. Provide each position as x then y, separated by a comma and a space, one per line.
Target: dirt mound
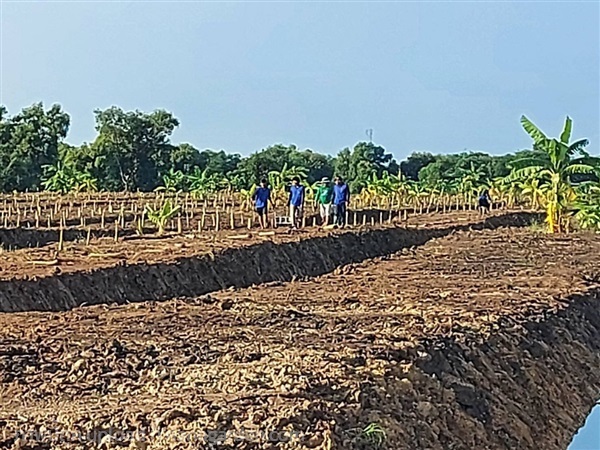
483, 339
189, 267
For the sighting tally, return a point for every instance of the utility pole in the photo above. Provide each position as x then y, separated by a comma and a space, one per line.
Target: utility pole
369, 133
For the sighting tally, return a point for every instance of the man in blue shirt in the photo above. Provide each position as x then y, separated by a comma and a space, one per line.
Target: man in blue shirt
261, 198
296, 202
341, 198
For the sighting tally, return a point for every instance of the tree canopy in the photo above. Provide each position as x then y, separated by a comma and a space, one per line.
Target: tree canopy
133, 151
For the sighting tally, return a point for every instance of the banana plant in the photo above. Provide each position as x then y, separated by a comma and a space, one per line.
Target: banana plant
161, 216
554, 163
535, 191
279, 178
172, 181
246, 195
200, 182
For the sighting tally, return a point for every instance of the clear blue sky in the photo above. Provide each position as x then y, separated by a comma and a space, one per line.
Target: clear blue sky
588, 438
439, 77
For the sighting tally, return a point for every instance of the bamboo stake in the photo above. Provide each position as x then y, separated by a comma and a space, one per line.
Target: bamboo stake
116, 230
88, 237
60, 240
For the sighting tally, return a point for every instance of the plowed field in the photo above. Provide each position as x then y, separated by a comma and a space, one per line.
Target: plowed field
346, 360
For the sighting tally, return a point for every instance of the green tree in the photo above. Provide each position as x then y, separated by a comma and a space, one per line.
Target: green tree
414, 163
357, 167
28, 142
132, 149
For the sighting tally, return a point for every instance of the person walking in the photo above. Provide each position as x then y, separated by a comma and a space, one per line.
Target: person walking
324, 198
484, 202
260, 199
296, 202
341, 198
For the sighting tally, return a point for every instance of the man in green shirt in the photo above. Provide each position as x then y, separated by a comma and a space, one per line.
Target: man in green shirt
324, 198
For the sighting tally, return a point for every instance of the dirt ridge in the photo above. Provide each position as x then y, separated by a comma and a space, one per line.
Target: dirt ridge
529, 385
236, 267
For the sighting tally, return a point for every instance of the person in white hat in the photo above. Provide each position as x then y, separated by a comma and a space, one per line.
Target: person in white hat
324, 198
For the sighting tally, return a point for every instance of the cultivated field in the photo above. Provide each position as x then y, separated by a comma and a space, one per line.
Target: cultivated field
437, 332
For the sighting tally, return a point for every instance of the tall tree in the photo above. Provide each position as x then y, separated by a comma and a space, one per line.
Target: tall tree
414, 163
28, 142
133, 148
365, 160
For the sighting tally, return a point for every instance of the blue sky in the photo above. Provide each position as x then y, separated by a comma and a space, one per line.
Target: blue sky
439, 77
588, 438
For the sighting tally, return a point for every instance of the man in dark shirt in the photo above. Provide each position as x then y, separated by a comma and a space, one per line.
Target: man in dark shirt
296, 202
341, 198
261, 198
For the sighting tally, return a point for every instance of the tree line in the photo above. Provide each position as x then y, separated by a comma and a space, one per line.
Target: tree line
133, 151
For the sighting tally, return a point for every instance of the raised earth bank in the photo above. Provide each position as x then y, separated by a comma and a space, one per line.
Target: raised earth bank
231, 267
484, 339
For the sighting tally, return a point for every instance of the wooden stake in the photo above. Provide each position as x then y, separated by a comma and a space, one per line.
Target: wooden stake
60, 240
89, 235
116, 231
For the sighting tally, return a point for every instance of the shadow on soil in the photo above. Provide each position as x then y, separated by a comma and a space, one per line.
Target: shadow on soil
239, 267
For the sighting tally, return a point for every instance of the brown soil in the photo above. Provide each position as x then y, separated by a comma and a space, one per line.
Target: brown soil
105, 252
478, 340
158, 270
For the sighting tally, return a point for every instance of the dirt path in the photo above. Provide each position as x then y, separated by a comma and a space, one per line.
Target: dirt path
435, 346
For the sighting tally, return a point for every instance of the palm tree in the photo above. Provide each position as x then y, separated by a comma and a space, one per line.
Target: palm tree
554, 162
